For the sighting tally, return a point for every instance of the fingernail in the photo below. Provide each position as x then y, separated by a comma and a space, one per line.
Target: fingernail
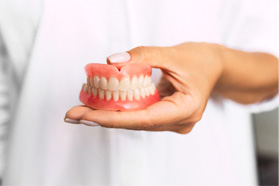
74, 121
89, 123
119, 57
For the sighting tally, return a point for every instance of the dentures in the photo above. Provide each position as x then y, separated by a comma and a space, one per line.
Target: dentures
127, 88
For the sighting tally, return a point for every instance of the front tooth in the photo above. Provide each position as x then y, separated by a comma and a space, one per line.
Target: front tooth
85, 88
134, 83
94, 91
108, 95
140, 81
96, 81
124, 84
130, 95
101, 93
103, 83
147, 93
115, 95
123, 95
137, 94
142, 92
113, 84
145, 81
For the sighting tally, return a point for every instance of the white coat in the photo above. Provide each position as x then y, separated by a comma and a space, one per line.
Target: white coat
45, 46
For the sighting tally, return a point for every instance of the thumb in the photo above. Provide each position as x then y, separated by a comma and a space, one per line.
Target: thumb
152, 56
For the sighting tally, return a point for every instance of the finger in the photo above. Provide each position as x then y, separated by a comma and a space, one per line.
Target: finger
156, 57
77, 112
181, 129
169, 111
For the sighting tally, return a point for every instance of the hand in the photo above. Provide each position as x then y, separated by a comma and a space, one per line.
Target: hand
190, 71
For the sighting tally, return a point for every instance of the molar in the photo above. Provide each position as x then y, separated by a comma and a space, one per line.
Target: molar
91, 81
89, 90
149, 81
113, 84
85, 88
103, 83
146, 89
145, 81
88, 80
152, 89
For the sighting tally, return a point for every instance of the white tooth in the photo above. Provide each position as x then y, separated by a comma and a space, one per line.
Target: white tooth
137, 94
115, 95
89, 90
134, 83
140, 81
123, 95
103, 83
96, 81
88, 80
124, 84
91, 81
146, 91
94, 91
142, 92
113, 84
101, 93
130, 95
108, 95
153, 86
149, 81
151, 90
85, 88
145, 81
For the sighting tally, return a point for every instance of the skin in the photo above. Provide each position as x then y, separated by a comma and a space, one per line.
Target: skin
191, 73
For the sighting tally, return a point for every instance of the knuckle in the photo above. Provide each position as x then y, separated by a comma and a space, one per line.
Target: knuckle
142, 52
196, 117
185, 130
86, 116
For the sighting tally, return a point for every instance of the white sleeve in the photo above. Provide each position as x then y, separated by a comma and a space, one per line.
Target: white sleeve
253, 25
4, 102
18, 24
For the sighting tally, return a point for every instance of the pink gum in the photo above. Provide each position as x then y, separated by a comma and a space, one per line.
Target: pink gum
107, 71
97, 103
